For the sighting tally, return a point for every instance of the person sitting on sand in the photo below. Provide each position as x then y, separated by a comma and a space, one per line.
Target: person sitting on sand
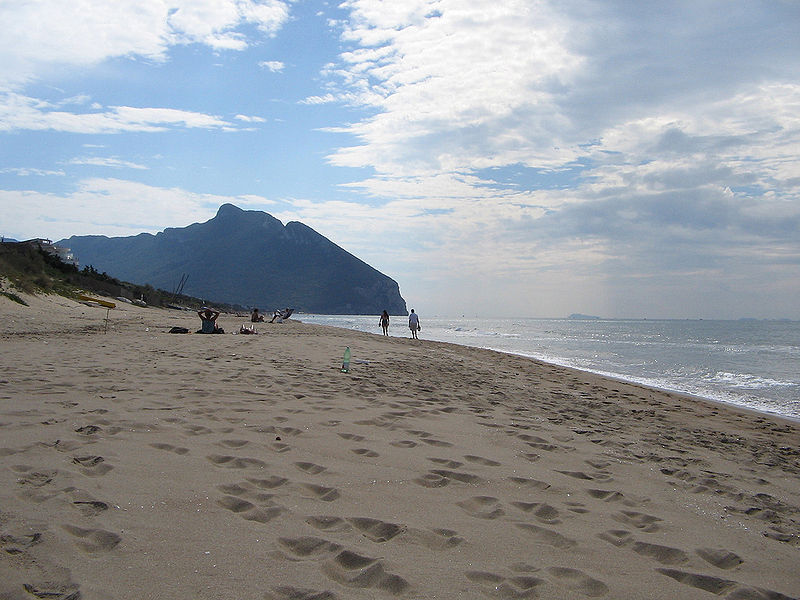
385, 322
208, 319
413, 324
256, 317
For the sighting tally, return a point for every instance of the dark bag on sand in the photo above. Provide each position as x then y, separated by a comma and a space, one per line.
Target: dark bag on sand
179, 330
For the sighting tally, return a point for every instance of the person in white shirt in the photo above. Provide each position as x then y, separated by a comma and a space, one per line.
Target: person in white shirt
413, 324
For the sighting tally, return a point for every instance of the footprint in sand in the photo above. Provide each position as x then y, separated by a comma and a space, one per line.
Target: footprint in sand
376, 530
432, 480
715, 585
170, 448
442, 477
87, 461
93, 466
537, 442
271, 482
577, 507
403, 444
748, 593
534, 484
233, 443
88, 430
32, 478
356, 570
719, 557
67, 446
606, 495
663, 554
482, 507
37, 486
434, 539
437, 443
578, 581
18, 544
248, 510
576, 474
51, 590
198, 430
93, 540
279, 447
617, 537
288, 592
365, 452
319, 492
544, 513
446, 462
641, 521
291, 431
86, 503
547, 536
234, 462
90, 508
311, 468
458, 476
505, 588
599, 465
328, 523
481, 460
307, 548
246, 490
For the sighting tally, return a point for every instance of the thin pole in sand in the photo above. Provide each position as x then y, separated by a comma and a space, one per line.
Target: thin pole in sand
107, 311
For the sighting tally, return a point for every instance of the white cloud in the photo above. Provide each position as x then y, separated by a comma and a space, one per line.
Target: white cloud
112, 207
678, 120
41, 35
250, 119
275, 66
18, 112
476, 86
26, 171
326, 99
97, 161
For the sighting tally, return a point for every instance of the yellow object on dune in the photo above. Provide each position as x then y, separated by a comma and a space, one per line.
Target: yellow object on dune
105, 303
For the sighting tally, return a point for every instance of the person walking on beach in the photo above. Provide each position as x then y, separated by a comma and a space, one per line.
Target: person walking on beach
385, 322
413, 324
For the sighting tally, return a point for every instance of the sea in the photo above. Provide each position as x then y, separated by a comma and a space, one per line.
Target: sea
753, 364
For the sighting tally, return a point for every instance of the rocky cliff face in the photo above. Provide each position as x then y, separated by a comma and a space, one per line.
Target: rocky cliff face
249, 258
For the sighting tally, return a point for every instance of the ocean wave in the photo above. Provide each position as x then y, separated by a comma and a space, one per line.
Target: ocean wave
745, 380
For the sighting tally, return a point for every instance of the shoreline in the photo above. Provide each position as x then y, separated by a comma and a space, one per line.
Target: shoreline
137, 463
605, 375
727, 397
645, 384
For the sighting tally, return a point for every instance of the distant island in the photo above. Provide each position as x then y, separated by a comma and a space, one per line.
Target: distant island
249, 258
580, 317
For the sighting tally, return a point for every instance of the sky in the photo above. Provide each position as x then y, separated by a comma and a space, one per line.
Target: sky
521, 158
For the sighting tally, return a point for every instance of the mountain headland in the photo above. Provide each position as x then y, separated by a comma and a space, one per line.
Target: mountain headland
246, 257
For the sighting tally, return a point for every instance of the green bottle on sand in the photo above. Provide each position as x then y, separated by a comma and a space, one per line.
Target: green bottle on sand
346, 361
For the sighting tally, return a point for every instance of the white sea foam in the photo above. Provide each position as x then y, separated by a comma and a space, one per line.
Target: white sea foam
745, 380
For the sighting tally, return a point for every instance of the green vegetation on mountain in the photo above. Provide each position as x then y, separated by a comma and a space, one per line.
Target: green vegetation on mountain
30, 269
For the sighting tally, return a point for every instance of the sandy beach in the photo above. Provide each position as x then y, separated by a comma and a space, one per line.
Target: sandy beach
140, 464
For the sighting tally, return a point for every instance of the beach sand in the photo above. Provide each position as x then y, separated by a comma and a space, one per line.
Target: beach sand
136, 464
